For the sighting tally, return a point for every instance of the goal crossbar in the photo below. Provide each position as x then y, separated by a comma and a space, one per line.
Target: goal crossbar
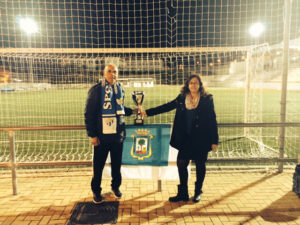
121, 50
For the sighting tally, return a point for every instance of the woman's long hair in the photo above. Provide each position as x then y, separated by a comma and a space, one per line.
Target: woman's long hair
185, 89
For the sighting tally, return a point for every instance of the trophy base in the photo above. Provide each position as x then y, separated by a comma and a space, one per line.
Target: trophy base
138, 122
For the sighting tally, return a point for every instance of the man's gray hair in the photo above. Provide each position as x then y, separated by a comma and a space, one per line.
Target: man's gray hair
111, 64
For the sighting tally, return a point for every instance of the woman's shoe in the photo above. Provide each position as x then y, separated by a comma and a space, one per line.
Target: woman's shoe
182, 194
197, 198
198, 192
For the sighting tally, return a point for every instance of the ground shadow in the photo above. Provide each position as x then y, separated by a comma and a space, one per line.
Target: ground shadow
154, 207
284, 209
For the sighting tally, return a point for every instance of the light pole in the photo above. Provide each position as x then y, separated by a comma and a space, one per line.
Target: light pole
255, 31
30, 27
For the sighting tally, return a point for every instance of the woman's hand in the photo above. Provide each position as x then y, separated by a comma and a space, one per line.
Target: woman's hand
138, 110
143, 113
214, 147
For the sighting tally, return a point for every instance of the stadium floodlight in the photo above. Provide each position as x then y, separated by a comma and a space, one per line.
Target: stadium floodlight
28, 25
256, 29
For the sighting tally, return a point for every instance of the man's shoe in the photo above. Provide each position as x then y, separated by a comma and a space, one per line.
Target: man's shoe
117, 192
97, 199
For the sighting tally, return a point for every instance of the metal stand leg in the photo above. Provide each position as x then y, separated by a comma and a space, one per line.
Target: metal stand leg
11, 136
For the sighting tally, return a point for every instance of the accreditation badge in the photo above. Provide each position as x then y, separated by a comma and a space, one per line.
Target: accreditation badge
109, 125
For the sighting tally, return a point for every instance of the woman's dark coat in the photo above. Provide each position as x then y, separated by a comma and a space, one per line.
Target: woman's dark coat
204, 131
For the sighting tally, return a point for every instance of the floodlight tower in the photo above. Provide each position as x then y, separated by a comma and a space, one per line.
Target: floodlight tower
255, 31
30, 27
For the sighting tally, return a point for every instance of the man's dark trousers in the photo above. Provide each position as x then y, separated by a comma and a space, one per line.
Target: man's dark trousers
99, 159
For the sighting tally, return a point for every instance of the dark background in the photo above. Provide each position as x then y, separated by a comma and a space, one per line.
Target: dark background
144, 24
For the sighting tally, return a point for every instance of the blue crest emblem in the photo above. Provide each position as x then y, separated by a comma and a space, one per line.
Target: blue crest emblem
141, 147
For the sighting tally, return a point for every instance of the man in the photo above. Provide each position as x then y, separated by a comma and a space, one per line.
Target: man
105, 126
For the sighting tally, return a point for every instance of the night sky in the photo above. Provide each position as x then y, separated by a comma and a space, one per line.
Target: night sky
144, 24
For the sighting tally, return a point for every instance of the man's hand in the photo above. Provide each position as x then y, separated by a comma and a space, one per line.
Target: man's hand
139, 111
95, 141
214, 147
135, 111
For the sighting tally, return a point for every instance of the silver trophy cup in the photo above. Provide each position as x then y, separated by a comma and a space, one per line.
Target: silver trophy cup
138, 98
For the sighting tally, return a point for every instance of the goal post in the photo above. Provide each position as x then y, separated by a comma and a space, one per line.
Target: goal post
64, 76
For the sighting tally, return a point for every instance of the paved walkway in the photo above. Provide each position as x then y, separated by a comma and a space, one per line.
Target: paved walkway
228, 199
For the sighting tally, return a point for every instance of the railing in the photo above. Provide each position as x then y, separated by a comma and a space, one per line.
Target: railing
13, 165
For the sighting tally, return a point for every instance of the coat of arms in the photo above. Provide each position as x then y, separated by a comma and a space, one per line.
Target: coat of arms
141, 147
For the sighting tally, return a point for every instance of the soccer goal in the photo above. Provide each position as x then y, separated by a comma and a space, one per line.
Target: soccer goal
52, 52
49, 87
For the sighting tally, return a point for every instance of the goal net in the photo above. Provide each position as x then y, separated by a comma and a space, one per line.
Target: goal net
52, 52
53, 92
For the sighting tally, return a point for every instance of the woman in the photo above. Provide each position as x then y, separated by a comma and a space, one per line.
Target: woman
194, 134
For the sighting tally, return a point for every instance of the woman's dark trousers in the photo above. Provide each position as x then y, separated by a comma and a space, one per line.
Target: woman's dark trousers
182, 165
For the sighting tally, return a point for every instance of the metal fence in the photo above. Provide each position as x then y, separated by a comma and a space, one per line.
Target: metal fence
13, 164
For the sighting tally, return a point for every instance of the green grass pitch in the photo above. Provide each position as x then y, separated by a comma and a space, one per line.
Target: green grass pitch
66, 107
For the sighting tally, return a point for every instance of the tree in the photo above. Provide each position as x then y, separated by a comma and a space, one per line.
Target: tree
141, 142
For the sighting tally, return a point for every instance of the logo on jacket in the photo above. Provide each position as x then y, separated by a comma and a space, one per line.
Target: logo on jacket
141, 147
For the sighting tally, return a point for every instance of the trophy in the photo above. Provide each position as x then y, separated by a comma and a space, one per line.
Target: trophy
138, 98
